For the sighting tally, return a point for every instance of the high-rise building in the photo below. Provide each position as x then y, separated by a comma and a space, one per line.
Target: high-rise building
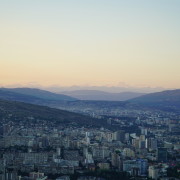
140, 164
143, 166
127, 137
119, 135
153, 172
135, 143
116, 160
144, 131
151, 143
162, 154
142, 144
127, 152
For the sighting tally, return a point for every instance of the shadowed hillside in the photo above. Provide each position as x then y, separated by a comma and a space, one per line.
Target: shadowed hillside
167, 100
18, 111
29, 94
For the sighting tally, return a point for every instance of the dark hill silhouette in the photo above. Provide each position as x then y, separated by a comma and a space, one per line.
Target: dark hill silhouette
167, 100
20, 111
29, 95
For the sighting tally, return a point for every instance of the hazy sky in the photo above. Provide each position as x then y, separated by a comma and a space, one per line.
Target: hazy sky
90, 42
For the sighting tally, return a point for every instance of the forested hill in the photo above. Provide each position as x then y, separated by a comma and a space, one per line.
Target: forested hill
18, 111
167, 100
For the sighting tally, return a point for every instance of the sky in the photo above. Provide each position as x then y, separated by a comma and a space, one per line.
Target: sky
93, 42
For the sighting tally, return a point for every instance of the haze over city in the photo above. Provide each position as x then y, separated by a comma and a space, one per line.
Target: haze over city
90, 43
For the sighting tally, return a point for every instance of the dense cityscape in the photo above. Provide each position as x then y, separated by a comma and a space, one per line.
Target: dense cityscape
89, 89
144, 145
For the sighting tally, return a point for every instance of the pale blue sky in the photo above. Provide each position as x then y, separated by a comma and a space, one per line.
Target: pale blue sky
93, 42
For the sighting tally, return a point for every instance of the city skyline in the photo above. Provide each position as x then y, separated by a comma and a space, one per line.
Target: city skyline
92, 43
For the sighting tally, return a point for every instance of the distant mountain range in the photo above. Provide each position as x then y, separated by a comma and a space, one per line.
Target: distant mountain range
29, 95
112, 89
101, 95
11, 109
165, 100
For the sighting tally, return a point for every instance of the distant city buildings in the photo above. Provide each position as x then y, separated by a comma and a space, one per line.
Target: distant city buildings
139, 144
